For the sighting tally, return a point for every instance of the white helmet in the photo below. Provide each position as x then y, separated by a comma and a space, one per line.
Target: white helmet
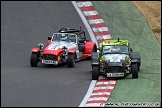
106, 49
63, 37
115, 48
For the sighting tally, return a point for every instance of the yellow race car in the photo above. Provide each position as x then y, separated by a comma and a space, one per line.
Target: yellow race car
115, 58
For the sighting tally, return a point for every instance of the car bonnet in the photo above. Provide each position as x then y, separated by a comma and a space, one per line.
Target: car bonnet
115, 57
56, 45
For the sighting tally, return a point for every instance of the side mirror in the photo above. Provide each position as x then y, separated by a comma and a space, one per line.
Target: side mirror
41, 45
130, 49
64, 49
49, 38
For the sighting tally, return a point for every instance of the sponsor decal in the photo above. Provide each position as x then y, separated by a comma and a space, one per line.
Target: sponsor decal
52, 48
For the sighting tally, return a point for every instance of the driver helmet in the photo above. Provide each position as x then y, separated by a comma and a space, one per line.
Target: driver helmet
63, 37
106, 49
115, 48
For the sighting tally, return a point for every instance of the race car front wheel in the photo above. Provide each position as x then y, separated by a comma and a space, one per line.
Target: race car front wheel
34, 60
70, 60
95, 74
134, 69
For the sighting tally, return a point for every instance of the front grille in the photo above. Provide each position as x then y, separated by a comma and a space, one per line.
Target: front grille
49, 57
115, 69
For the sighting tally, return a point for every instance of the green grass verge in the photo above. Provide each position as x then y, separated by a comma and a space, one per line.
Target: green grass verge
125, 21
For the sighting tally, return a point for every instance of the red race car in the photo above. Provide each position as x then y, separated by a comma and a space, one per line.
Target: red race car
65, 46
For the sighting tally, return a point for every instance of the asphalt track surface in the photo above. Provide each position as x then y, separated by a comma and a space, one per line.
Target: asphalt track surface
23, 25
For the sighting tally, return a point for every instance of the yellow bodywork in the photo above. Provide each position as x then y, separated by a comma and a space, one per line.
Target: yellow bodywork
115, 42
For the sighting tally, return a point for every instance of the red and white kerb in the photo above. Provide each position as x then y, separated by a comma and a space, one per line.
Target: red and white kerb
97, 24
101, 93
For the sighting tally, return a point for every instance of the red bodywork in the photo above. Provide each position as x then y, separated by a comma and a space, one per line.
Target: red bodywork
35, 50
88, 49
48, 42
72, 51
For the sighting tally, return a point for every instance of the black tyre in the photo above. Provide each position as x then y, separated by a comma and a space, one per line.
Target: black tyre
34, 59
94, 49
70, 60
95, 73
138, 67
134, 70
81, 47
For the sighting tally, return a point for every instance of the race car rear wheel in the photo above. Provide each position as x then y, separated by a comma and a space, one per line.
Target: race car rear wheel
34, 59
95, 73
94, 49
134, 69
70, 60
138, 66
81, 47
